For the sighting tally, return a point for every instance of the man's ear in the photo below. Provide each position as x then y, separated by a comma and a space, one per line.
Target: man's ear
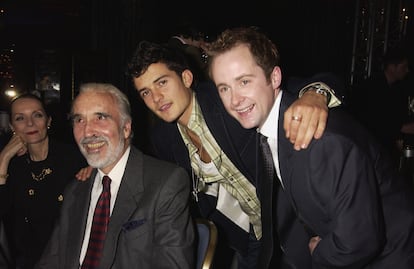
127, 129
276, 77
187, 77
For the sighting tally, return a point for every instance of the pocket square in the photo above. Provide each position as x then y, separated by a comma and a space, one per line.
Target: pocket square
130, 225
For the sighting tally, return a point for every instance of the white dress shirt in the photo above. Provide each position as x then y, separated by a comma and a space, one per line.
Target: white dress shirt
116, 176
270, 129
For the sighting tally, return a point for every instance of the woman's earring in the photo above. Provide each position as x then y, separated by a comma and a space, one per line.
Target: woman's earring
48, 127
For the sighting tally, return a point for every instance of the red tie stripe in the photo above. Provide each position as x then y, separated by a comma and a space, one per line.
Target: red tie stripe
99, 226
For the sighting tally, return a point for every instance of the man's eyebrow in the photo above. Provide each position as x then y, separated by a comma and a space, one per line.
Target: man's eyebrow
142, 89
153, 82
71, 116
221, 85
103, 114
160, 78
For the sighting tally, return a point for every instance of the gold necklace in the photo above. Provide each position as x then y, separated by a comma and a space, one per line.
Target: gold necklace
42, 175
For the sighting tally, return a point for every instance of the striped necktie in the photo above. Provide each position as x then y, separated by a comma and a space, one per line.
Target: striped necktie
269, 167
269, 184
99, 227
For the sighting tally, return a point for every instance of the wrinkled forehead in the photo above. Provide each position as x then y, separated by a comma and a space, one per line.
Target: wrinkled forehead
93, 101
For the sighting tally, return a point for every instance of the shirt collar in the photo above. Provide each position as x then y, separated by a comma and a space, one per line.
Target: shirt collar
269, 128
118, 171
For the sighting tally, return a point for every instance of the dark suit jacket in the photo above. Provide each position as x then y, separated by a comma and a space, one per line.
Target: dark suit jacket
345, 190
241, 146
150, 226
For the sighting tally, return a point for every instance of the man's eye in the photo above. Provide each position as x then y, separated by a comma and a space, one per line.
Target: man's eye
162, 82
223, 89
102, 116
144, 93
76, 120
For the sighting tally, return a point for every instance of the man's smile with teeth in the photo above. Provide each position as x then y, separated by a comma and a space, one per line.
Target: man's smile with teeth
244, 110
95, 145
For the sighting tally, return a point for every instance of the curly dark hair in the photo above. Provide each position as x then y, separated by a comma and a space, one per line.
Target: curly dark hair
148, 53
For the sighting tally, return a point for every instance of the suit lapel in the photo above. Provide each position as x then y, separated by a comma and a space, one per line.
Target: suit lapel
127, 201
180, 152
77, 223
285, 148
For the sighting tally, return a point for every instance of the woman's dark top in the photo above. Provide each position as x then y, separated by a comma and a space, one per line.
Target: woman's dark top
30, 200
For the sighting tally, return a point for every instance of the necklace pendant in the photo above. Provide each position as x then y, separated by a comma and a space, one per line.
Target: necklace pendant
195, 194
198, 186
201, 185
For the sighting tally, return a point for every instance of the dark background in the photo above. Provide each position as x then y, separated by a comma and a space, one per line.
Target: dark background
312, 35
92, 40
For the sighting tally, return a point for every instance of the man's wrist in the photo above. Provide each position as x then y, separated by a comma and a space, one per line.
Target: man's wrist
323, 89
